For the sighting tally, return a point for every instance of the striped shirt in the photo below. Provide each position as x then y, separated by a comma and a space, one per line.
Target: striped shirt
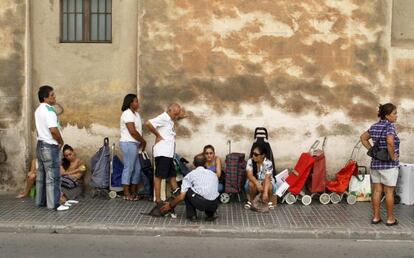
378, 132
203, 182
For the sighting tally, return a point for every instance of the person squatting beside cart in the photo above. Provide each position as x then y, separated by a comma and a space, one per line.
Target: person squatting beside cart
199, 190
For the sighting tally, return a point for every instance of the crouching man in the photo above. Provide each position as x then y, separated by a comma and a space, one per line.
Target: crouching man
199, 190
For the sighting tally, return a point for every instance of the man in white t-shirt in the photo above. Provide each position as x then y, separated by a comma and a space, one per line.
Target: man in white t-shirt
162, 127
49, 142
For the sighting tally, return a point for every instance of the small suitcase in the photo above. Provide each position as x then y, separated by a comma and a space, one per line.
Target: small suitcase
235, 173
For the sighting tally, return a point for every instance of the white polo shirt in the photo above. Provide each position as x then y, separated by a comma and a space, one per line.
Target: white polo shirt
128, 116
165, 126
45, 118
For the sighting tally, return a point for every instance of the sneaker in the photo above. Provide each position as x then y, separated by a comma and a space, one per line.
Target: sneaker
62, 208
248, 205
67, 204
72, 201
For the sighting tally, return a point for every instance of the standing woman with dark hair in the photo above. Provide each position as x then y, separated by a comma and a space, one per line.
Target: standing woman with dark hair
384, 174
131, 141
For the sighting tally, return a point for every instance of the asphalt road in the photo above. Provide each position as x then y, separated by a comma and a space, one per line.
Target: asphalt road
69, 245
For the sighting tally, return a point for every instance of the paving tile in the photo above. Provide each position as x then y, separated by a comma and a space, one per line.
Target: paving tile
119, 212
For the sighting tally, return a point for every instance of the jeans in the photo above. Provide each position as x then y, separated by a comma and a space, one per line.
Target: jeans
132, 167
48, 175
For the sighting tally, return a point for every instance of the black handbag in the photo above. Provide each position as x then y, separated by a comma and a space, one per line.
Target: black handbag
146, 165
380, 154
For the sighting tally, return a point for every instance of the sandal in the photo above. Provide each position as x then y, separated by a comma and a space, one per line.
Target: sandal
374, 222
21, 195
392, 223
127, 198
248, 205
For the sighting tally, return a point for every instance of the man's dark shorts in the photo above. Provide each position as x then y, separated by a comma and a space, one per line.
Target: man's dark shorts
164, 167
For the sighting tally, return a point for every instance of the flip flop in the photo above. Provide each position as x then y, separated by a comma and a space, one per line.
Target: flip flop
21, 195
248, 205
374, 222
125, 198
392, 223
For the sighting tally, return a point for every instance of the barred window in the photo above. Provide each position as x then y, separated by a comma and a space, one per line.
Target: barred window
86, 21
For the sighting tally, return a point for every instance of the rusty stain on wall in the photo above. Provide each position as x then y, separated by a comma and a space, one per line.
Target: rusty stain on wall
12, 31
230, 63
246, 60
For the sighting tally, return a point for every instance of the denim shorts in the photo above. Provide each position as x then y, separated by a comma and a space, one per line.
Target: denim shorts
246, 186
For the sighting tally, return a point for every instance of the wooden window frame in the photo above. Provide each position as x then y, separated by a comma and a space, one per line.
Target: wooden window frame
87, 23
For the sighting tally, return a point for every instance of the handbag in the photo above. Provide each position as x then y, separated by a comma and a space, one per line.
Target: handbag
377, 153
146, 165
68, 182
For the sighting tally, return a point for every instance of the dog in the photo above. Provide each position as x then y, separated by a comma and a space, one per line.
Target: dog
156, 210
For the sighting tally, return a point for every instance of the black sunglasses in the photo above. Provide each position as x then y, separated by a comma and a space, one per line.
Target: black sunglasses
256, 154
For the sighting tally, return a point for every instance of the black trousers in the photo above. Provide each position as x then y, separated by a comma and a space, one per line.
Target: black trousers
194, 202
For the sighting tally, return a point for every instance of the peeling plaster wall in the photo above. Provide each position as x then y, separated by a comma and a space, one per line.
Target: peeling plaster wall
12, 92
303, 69
90, 80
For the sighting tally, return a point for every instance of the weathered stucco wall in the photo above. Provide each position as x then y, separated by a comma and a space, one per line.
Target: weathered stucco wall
12, 92
303, 69
90, 80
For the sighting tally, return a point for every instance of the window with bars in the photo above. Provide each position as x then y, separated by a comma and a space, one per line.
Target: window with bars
86, 21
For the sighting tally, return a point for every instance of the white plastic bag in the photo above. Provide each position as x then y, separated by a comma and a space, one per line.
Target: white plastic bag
361, 187
281, 185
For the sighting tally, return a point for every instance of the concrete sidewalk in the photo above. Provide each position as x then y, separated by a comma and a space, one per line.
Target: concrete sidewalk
97, 216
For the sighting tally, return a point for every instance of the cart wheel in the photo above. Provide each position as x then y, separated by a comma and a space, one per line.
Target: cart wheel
324, 198
290, 198
112, 194
224, 198
306, 200
335, 198
351, 199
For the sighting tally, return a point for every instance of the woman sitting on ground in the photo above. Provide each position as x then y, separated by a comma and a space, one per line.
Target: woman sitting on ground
30, 179
213, 164
72, 172
259, 177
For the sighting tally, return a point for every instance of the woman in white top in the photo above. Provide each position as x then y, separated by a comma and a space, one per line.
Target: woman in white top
131, 141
